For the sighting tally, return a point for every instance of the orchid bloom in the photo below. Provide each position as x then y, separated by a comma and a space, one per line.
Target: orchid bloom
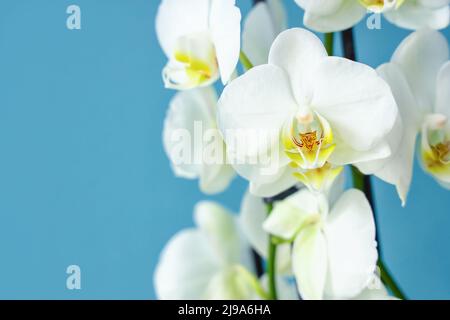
303, 115
334, 252
262, 25
338, 15
211, 261
419, 75
193, 143
201, 39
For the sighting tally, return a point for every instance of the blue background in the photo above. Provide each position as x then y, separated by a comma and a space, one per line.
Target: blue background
83, 176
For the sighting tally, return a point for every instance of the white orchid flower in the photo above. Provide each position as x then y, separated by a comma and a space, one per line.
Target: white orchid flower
193, 142
303, 115
253, 214
334, 251
201, 39
419, 75
211, 261
262, 25
338, 15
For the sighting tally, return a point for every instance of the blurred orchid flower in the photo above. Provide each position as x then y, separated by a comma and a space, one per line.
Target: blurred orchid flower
201, 39
211, 261
309, 114
419, 75
334, 252
338, 15
262, 25
193, 142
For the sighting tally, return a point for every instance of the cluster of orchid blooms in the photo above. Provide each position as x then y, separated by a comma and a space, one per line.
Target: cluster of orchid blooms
293, 120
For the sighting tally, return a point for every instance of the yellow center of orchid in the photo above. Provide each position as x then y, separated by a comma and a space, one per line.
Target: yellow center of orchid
379, 6
435, 151
193, 64
308, 142
197, 71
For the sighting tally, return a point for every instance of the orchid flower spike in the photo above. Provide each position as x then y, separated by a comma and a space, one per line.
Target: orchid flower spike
334, 253
201, 39
193, 142
303, 116
338, 15
419, 75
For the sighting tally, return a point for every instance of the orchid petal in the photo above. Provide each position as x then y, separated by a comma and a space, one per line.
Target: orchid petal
352, 249
420, 56
225, 26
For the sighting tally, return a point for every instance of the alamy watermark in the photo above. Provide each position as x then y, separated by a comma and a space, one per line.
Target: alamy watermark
73, 21
73, 281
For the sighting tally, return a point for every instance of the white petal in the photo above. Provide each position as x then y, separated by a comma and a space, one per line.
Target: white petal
348, 14
215, 178
434, 3
225, 26
443, 90
176, 18
322, 7
252, 111
187, 108
420, 56
233, 283
185, 268
357, 103
375, 291
398, 168
253, 214
352, 249
309, 259
258, 34
274, 186
411, 15
345, 154
298, 52
221, 229
290, 215
279, 14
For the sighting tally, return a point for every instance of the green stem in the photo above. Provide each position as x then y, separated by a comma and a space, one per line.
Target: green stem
387, 279
361, 182
329, 43
271, 263
245, 61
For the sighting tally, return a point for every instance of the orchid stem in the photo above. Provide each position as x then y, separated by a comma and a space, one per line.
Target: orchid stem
329, 43
245, 61
271, 263
389, 281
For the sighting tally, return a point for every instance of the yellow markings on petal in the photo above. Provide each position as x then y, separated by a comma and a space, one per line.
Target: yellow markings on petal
308, 143
196, 69
379, 6
193, 64
320, 179
435, 150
